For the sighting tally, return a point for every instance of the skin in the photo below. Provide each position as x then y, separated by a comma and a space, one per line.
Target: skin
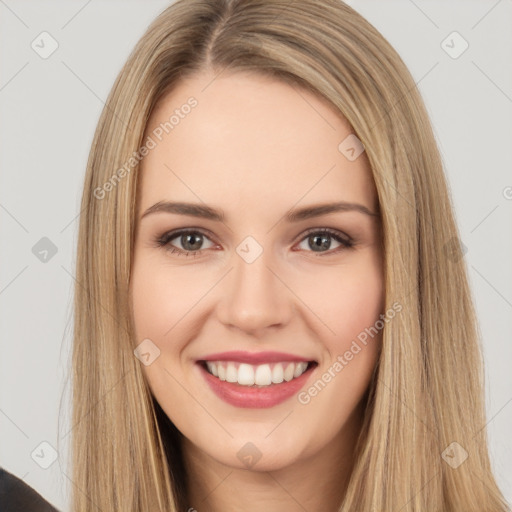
256, 148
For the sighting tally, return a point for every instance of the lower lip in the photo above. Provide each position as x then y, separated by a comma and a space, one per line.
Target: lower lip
252, 397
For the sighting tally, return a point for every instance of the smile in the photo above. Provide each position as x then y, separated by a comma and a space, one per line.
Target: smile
256, 375
255, 385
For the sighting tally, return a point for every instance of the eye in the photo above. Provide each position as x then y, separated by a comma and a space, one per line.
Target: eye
192, 240
319, 239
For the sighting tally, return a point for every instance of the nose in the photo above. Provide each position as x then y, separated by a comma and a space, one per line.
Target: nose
255, 297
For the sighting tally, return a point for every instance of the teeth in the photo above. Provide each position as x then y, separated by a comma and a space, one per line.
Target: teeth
263, 375
288, 373
300, 369
231, 373
245, 375
278, 374
256, 375
212, 368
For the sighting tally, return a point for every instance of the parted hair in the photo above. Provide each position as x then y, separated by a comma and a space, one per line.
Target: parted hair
428, 386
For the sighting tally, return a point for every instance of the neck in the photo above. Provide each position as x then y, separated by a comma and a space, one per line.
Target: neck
318, 482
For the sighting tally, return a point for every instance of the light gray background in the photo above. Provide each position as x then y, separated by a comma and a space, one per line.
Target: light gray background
50, 107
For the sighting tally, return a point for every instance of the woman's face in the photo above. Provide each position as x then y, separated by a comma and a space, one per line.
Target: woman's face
256, 275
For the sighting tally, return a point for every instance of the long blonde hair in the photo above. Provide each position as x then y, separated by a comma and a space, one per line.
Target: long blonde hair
427, 391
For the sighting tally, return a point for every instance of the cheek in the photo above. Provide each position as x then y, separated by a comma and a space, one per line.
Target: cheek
161, 296
359, 305
347, 299
351, 306
159, 304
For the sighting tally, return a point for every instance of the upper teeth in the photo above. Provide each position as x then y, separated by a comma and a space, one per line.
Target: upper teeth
260, 375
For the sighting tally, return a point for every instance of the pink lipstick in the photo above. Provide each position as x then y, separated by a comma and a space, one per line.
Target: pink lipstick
255, 380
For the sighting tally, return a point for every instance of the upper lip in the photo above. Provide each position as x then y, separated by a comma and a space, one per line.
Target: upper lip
254, 357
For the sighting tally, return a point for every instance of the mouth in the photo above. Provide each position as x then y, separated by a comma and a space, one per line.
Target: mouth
257, 385
257, 375
255, 379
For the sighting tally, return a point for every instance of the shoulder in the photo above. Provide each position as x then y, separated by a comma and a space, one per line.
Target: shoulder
16, 495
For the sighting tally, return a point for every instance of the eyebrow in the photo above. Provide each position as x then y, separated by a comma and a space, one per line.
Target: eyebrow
297, 215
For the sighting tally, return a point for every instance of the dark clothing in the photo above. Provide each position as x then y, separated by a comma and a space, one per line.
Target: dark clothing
17, 496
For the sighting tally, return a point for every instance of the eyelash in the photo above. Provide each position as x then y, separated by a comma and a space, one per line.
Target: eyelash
164, 240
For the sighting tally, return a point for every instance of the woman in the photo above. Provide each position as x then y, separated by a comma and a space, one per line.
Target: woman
221, 343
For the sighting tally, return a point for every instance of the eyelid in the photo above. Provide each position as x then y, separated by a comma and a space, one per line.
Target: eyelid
163, 241
175, 233
330, 231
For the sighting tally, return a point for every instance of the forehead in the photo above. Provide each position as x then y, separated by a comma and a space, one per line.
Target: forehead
249, 139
